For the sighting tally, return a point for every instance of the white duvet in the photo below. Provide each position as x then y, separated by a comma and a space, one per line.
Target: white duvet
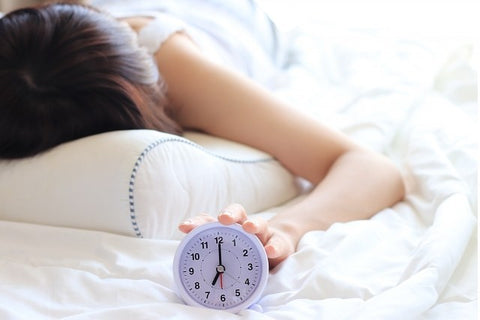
416, 260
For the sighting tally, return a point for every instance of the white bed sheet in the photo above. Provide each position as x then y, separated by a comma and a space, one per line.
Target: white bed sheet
416, 260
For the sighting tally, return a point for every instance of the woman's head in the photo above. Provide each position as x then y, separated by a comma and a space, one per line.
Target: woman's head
69, 71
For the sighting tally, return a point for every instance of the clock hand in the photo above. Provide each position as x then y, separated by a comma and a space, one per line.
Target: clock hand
220, 271
219, 253
220, 268
216, 278
218, 275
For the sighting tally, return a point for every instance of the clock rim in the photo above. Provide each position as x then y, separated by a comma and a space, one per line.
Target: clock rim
254, 296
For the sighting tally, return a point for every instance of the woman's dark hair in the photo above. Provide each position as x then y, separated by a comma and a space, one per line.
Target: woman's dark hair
69, 71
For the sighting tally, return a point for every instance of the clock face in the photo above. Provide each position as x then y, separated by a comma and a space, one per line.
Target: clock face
220, 267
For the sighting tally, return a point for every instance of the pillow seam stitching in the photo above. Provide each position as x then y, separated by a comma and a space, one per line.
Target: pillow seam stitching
150, 147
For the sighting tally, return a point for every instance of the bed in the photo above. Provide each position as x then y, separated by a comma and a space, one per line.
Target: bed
409, 99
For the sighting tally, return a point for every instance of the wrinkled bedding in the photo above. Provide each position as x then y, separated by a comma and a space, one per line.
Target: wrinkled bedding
416, 260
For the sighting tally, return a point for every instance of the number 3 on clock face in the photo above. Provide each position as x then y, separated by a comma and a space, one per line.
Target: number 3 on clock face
220, 267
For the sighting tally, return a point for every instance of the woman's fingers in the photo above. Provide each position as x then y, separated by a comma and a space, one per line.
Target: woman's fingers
191, 223
259, 227
233, 213
278, 247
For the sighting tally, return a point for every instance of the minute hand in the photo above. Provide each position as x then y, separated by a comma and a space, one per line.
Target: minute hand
219, 254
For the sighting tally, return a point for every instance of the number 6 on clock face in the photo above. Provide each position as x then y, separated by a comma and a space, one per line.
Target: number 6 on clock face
220, 267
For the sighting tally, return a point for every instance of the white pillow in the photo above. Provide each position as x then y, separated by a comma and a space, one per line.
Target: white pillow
139, 182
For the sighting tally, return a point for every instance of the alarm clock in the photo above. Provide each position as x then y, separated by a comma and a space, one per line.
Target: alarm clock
220, 267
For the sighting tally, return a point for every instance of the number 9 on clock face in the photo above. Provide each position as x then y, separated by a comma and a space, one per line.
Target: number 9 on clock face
220, 267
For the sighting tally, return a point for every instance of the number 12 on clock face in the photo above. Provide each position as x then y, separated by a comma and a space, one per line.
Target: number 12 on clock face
220, 267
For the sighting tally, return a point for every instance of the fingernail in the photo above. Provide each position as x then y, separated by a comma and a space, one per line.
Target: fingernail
271, 251
227, 213
251, 223
188, 221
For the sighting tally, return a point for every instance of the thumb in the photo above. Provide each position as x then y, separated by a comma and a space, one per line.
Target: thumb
278, 248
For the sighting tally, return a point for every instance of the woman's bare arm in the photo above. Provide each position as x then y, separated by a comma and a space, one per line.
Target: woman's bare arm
351, 182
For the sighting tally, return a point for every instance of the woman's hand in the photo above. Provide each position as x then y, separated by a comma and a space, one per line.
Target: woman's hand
278, 244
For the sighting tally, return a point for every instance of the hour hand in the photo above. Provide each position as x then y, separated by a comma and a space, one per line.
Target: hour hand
220, 271
216, 278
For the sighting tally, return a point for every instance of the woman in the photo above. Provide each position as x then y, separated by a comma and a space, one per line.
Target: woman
68, 71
